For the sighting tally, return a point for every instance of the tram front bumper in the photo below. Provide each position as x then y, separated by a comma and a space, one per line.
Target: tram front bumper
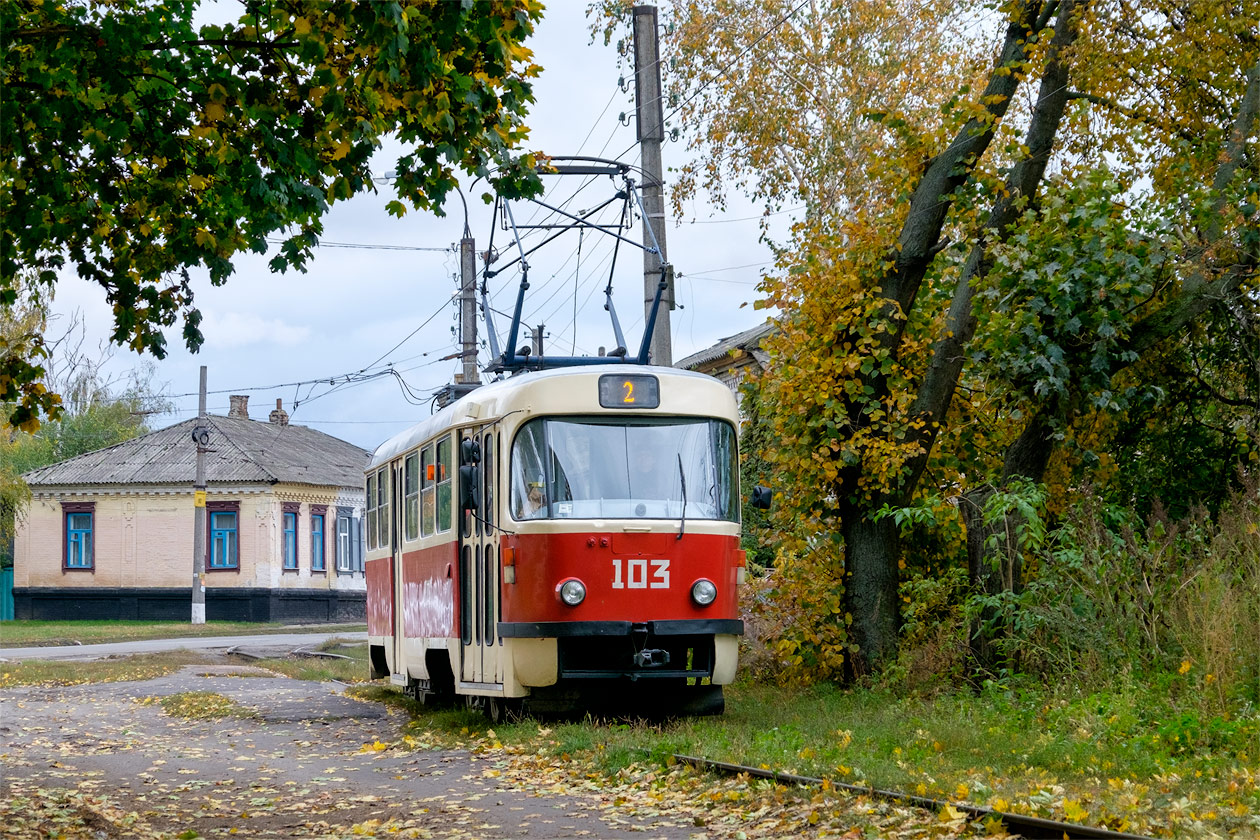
545, 652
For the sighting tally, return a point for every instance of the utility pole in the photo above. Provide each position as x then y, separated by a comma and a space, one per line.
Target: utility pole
650, 128
468, 310
538, 340
201, 437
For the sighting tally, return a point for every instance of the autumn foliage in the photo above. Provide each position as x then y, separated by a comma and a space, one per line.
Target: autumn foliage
137, 146
1005, 210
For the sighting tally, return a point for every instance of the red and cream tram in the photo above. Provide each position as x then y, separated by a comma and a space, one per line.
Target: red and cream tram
566, 538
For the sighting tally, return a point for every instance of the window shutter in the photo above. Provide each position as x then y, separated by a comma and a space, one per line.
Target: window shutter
356, 530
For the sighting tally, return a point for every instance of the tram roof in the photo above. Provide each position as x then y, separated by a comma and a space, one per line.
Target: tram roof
498, 398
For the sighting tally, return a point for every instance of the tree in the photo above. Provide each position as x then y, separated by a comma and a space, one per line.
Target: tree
135, 145
941, 174
99, 411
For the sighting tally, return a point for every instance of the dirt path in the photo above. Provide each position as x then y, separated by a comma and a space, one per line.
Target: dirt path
305, 768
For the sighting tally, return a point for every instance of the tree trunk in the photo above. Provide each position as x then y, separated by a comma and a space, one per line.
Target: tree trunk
995, 564
984, 580
870, 561
1030, 455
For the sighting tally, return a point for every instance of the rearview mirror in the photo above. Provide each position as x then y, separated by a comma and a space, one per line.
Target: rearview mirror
761, 497
469, 494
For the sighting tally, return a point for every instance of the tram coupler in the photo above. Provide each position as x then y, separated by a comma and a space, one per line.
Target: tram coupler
651, 658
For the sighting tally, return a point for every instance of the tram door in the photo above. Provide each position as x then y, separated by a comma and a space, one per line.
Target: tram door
479, 573
391, 519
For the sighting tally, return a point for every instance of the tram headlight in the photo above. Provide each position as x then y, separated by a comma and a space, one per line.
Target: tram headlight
703, 592
572, 592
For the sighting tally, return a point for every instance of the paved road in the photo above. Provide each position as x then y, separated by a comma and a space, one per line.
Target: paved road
268, 641
306, 761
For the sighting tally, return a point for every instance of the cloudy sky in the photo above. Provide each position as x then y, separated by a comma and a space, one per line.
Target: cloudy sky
378, 290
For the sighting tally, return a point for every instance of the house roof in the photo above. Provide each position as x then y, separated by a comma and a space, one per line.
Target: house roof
745, 340
240, 451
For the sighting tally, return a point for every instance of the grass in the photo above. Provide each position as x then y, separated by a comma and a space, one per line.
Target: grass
1127, 760
149, 666
47, 633
201, 705
1131, 758
52, 672
353, 669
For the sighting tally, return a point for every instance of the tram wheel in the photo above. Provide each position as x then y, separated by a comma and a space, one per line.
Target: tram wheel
505, 709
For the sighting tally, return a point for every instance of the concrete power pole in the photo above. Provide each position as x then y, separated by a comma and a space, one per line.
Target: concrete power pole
468, 310
201, 437
650, 128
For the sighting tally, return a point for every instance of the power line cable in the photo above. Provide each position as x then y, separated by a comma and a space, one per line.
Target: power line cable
369, 247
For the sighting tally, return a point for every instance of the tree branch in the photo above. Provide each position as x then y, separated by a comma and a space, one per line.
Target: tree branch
1131, 113
936, 394
256, 46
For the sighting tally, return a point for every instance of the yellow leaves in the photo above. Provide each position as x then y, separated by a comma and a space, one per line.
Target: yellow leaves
213, 112
374, 747
197, 182
301, 26
341, 150
1074, 811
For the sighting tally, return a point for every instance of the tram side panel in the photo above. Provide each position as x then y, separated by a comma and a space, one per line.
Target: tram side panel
428, 605
380, 612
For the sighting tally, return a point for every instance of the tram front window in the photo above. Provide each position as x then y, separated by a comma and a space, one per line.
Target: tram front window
591, 468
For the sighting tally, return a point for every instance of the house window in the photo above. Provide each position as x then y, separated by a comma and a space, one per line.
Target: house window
345, 541
223, 545
288, 522
411, 484
80, 519
317, 537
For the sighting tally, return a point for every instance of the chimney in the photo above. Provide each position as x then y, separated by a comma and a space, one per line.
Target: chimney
240, 406
279, 417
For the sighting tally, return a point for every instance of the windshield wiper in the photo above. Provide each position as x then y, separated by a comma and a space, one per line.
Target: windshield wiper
682, 524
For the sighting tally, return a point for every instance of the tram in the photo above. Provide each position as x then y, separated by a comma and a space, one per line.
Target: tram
562, 540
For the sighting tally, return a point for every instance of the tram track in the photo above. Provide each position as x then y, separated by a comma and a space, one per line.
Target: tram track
1037, 828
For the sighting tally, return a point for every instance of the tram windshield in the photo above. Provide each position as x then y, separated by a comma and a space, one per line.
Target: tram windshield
625, 468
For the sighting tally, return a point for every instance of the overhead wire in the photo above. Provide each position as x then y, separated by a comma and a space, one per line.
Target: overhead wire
368, 246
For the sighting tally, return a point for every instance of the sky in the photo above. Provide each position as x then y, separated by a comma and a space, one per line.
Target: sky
378, 290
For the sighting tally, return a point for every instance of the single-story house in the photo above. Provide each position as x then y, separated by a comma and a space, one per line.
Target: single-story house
733, 358
109, 534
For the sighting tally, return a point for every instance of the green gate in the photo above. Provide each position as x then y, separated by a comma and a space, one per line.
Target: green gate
6, 594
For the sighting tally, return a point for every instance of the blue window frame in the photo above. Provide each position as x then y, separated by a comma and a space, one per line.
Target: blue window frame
290, 540
223, 542
345, 558
317, 542
79, 553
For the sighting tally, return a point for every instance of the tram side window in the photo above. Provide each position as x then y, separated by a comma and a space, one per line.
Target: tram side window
444, 484
382, 508
428, 491
726, 457
487, 491
411, 483
371, 511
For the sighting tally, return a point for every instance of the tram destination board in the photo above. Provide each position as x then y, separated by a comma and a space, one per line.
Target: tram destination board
634, 390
